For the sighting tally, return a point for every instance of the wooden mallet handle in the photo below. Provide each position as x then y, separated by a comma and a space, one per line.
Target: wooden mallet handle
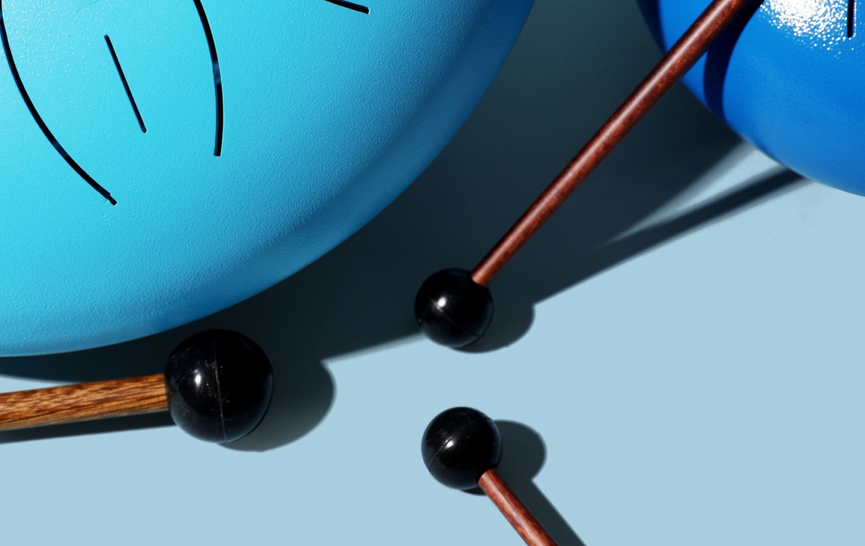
83, 402
514, 510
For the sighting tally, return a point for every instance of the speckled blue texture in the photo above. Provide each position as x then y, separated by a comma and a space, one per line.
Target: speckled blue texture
328, 114
788, 77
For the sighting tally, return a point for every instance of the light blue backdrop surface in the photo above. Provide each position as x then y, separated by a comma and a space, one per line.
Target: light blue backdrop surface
678, 355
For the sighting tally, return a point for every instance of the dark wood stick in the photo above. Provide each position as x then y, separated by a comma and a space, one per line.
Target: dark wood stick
672, 67
68, 404
514, 510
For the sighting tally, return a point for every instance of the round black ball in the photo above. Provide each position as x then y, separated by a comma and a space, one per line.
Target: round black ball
452, 309
219, 384
459, 445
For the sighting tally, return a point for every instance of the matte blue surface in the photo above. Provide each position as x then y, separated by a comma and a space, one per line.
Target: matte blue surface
788, 78
328, 114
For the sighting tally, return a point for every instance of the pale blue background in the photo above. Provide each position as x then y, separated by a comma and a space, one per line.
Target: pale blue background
678, 353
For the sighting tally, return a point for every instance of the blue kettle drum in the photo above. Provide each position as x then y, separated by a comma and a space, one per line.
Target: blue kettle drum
164, 160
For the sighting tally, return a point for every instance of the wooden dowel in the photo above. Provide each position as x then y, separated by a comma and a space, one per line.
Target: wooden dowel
514, 510
68, 404
669, 70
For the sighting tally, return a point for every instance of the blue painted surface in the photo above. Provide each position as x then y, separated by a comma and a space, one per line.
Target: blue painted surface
328, 114
788, 78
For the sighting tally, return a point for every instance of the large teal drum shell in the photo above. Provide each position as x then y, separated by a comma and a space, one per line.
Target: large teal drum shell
162, 160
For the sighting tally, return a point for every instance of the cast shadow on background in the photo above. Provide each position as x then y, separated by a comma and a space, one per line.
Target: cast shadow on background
573, 64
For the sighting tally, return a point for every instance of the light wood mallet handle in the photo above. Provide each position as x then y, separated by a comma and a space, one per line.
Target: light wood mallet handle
83, 402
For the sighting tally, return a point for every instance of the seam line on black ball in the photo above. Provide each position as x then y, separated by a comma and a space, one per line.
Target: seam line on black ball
218, 390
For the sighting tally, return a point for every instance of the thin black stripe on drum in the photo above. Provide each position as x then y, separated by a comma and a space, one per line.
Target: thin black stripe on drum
350, 5
38, 119
217, 78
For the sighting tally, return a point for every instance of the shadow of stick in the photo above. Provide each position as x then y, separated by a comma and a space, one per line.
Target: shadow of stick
522, 459
514, 303
736, 201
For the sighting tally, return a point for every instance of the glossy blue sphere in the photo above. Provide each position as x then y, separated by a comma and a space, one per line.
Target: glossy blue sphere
789, 77
162, 160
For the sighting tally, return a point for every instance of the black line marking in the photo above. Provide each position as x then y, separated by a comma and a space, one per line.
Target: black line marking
36, 117
125, 84
350, 5
87, 5
217, 77
851, 17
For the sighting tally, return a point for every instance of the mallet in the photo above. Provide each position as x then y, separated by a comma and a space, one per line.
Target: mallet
217, 387
462, 448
